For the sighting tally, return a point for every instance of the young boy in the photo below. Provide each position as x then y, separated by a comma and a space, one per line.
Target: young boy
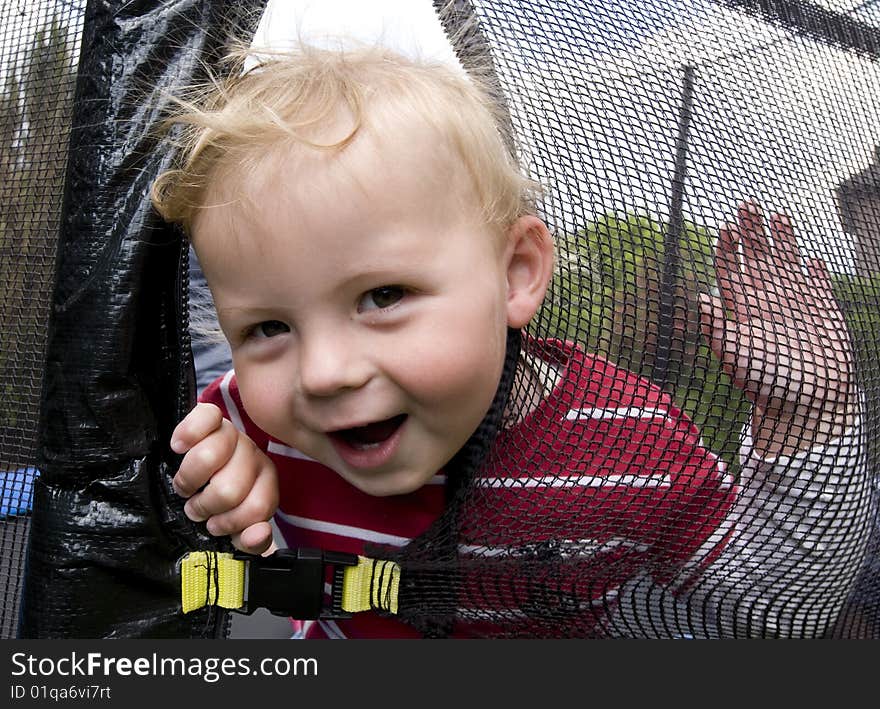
370, 246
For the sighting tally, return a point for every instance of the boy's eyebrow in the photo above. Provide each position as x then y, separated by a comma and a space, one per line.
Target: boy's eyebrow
247, 310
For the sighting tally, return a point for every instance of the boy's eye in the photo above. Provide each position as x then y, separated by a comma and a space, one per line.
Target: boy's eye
380, 298
270, 328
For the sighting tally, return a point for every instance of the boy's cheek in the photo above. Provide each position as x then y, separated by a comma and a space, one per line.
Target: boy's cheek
457, 374
262, 398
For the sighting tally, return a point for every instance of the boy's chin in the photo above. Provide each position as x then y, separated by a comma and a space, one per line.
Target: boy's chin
388, 484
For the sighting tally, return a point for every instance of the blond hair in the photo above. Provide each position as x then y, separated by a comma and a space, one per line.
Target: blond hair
227, 126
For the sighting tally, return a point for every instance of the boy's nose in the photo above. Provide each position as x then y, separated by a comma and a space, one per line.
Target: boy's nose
330, 363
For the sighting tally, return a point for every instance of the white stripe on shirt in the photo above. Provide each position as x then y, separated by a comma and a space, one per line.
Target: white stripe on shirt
343, 530
629, 412
231, 409
573, 481
286, 451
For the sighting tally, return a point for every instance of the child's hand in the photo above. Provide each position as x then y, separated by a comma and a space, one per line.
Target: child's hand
786, 344
230, 483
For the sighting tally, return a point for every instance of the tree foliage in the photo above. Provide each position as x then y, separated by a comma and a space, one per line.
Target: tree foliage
35, 104
606, 295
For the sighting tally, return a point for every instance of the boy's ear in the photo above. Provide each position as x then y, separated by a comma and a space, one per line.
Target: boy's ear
529, 268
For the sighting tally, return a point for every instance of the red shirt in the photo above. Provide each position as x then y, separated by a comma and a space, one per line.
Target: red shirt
606, 476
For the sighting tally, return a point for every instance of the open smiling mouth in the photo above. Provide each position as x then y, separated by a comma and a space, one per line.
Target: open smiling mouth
373, 435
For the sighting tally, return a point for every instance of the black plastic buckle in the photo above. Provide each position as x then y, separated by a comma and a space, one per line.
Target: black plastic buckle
290, 582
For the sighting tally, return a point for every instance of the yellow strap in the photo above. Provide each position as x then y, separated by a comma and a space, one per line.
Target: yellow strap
211, 578
371, 583
216, 578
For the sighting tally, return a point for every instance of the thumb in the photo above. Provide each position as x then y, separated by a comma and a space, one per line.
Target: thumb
724, 339
713, 323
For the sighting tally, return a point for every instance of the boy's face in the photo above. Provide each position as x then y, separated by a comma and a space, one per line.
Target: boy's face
365, 304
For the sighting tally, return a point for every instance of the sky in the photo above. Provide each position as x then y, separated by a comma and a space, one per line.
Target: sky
409, 26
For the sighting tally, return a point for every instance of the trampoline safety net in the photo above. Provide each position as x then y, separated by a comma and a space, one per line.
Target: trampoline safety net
702, 162
38, 60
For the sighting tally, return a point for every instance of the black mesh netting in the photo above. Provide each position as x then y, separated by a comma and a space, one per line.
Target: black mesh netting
94, 353
37, 66
651, 125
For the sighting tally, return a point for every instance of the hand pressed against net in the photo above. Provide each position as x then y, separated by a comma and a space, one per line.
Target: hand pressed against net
779, 334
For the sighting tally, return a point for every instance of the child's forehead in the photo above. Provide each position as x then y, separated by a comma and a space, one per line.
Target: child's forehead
396, 157
381, 184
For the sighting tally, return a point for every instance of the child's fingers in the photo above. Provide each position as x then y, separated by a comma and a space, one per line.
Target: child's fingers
724, 338
726, 268
756, 253
203, 420
257, 506
820, 281
713, 324
205, 458
784, 242
256, 539
231, 484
